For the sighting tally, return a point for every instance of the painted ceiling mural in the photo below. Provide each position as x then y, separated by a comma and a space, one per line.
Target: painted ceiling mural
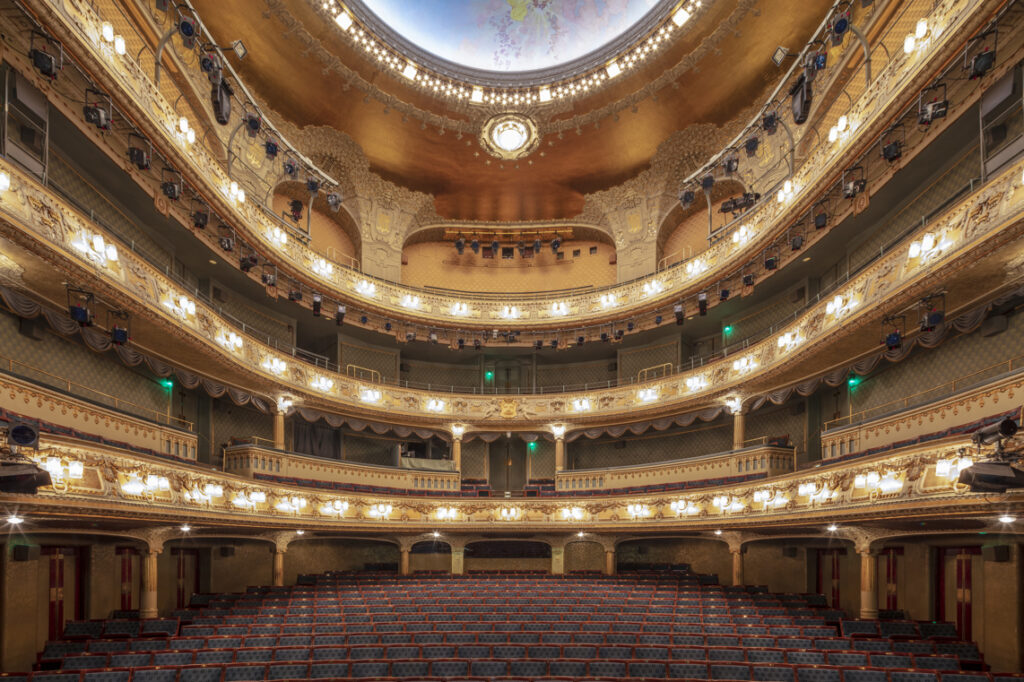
510, 35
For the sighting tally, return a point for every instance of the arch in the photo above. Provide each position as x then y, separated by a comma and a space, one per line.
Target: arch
326, 225
683, 232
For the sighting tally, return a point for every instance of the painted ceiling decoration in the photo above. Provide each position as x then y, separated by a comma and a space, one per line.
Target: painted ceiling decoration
510, 53
511, 35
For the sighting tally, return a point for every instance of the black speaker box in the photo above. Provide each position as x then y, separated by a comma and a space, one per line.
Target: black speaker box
25, 553
998, 553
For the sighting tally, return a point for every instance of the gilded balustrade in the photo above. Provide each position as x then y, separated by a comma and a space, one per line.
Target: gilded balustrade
78, 24
29, 210
916, 481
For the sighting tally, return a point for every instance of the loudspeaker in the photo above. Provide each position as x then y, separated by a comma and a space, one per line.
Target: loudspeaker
227, 551
997, 553
789, 552
27, 553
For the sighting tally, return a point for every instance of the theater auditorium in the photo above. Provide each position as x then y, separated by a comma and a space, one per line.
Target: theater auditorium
511, 340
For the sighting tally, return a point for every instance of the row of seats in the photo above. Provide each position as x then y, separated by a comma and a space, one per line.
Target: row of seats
512, 652
452, 669
963, 650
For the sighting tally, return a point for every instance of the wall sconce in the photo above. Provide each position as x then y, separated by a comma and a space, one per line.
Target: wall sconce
558, 430
274, 365
581, 405
559, 309
572, 514
236, 193
447, 513
95, 249
743, 365
380, 511
509, 312
323, 268
410, 302
181, 307
785, 192
647, 395
322, 383
653, 287
789, 341
277, 237
459, 309
435, 405
229, 340
695, 267
334, 508
508, 513
608, 301
366, 288
290, 505
681, 507
638, 511
370, 395
249, 500
458, 430
741, 235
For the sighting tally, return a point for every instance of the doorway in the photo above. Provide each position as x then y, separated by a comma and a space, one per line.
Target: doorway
507, 464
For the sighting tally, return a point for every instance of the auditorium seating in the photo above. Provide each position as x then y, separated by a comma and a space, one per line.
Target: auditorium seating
669, 624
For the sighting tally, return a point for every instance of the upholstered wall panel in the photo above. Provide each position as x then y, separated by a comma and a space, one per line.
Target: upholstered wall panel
703, 440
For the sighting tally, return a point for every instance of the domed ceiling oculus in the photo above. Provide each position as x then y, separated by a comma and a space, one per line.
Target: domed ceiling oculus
509, 136
509, 53
512, 35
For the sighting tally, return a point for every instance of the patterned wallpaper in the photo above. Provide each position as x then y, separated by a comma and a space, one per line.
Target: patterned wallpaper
762, 316
575, 374
632, 361
279, 328
778, 421
699, 440
381, 360
232, 421
368, 450
542, 460
439, 374
66, 179
474, 459
69, 359
925, 368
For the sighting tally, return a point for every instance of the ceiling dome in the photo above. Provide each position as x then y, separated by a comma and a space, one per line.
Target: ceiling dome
512, 36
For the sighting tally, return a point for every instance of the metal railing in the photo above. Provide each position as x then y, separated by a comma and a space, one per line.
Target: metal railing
929, 395
93, 395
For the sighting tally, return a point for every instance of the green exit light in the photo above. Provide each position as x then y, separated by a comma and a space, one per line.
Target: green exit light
532, 446
167, 383
728, 329
489, 375
853, 381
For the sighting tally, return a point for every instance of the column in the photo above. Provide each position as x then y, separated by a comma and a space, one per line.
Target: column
458, 554
737, 566
559, 455
558, 561
457, 453
868, 584
404, 566
278, 577
738, 431
609, 562
279, 430
147, 601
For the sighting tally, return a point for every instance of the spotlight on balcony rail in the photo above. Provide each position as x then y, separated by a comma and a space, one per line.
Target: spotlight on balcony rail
44, 62
247, 263
751, 145
702, 303
98, 109
253, 123
679, 312
991, 477
993, 433
982, 63
686, 198
707, 182
140, 152
318, 301
731, 165
801, 100
748, 280
270, 148
460, 245
770, 123
171, 184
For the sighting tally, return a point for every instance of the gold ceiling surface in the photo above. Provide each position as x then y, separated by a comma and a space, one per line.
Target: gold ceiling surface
312, 75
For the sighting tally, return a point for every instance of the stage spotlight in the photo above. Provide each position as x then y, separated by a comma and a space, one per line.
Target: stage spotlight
334, 202
270, 148
291, 168
991, 477
723, 294
680, 314
460, 245
771, 262
751, 145
702, 303
387, 326
556, 244
854, 187
580, 340
554, 343
461, 343
748, 280
657, 319
630, 326
318, 301
433, 337
81, 314
820, 220
253, 123
686, 198
118, 335
220, 98
477, 344
537, 245
295, 210
797, 242
171, 186
993, 433
227, 244
495, 249
410, 337
707, 182
731, 164
618, 334
247, 263
475, 245
312, 186
269, 279
538, 344
892, 151
44, 62
97, 110
982, 63
141, 157
200, 218
893, 340
521, 248
770, 123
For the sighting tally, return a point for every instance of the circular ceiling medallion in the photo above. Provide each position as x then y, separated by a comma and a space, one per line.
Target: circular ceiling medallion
509, 136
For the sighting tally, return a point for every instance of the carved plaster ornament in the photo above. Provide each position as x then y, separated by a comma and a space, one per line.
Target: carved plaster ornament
10, 272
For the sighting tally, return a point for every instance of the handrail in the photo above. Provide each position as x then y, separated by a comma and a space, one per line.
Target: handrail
916, 399
354, 370
652, 372
118, 403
